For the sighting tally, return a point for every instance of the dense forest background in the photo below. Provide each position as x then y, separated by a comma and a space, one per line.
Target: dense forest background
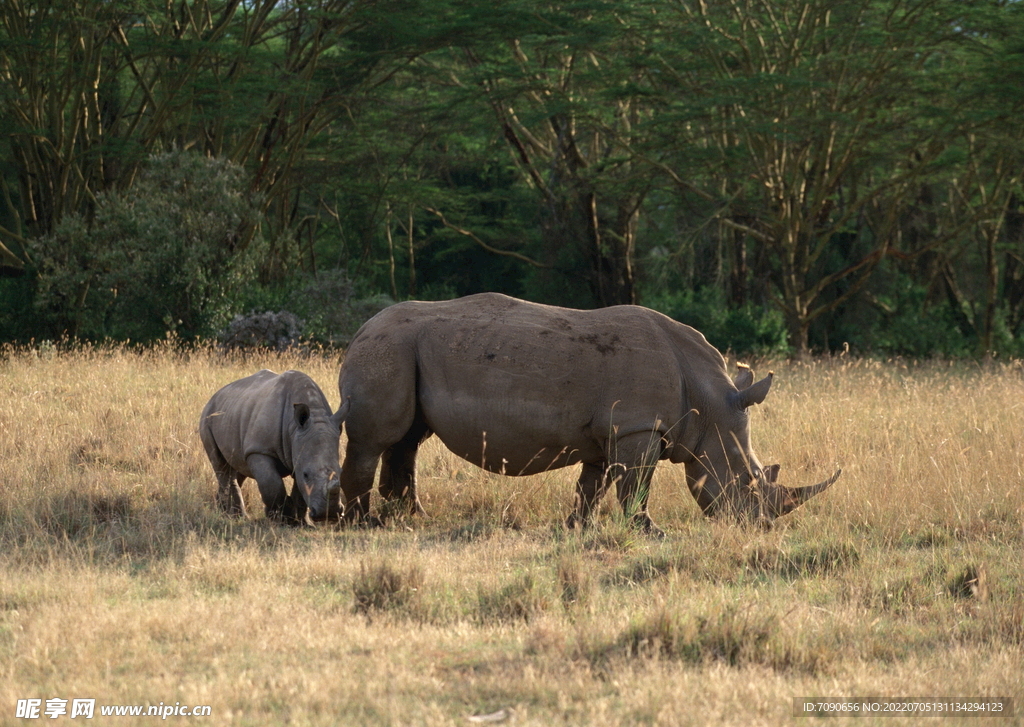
787, 176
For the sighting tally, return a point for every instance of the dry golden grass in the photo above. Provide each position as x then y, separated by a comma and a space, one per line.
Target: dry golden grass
120, 582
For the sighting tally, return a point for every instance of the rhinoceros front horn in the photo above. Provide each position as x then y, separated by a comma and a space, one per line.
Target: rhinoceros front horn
797, 496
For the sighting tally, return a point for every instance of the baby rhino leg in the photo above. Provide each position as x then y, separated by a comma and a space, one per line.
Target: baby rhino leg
294, 512
265, 471
229, 483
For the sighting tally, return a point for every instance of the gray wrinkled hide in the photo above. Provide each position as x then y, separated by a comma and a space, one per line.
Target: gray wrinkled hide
268, 426
520, 388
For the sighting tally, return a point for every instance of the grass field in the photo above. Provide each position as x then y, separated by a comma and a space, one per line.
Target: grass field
120, 582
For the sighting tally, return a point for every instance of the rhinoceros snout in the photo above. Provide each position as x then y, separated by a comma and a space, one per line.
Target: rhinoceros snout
318, 510
326, 504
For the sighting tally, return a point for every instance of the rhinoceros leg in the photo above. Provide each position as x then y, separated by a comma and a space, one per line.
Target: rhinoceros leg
265, 471
229, 493
398, 468
229, 482
590, 488
357, 480
632, 462
294, 510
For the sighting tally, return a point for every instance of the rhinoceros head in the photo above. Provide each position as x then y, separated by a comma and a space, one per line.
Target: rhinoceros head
315, 459
725, 475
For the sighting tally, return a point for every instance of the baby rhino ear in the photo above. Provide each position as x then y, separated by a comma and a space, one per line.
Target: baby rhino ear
301, 415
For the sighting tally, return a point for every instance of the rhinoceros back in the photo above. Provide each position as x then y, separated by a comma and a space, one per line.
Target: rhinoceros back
520, 387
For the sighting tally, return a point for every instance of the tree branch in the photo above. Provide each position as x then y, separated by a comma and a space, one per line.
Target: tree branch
7, 258
481, 243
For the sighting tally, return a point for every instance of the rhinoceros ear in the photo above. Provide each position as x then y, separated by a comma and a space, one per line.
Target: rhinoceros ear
301, 415
744, 376
753, 394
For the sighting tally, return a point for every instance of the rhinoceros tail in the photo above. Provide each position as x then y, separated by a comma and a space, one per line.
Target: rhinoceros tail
340, 415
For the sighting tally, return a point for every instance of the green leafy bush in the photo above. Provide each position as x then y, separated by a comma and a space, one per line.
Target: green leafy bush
750, 329
898, 318
172, 253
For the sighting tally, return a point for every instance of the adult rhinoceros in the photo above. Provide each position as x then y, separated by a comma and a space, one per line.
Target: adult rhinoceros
520, 388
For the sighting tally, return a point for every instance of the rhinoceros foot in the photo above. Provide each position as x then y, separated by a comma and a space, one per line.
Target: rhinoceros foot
294, 511
646, 526
229, 500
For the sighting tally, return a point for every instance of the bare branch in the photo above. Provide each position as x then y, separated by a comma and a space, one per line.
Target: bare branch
481, 243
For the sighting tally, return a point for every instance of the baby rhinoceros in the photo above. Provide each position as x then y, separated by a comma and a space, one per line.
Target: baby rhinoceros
267, 426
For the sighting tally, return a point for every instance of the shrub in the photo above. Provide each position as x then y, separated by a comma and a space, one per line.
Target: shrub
521, 600
898, 318
750, 329
804, 561
170, 254
333, 305
730, 635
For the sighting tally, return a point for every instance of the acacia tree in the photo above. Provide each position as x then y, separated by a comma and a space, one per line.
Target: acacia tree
90, 88
812, 114
981, 271
980, 202
54, 104
552, 78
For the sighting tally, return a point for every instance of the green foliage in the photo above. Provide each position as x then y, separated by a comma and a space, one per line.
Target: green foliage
745, 330
783, 153
17, 316
173, 253
908, 327
900, 316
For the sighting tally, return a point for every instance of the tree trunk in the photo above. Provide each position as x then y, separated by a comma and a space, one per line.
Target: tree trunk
738, 272
597, 251
798, 328
611, 253
991, 291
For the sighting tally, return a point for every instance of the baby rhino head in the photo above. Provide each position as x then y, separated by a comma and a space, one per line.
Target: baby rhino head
315, 460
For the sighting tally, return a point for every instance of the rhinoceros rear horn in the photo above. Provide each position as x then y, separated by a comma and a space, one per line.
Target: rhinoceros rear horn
301, 414
797, 496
